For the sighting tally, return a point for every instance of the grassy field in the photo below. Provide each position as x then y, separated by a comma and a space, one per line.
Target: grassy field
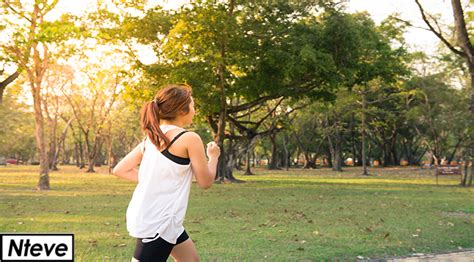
296, 215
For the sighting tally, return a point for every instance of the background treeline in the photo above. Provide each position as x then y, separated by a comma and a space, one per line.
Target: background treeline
276, 83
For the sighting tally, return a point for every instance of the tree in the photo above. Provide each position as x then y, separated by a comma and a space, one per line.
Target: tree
17, 138
232, 51
463, 47
363, 52
437, 115
31, 37
55, 109
92, 108
310, 144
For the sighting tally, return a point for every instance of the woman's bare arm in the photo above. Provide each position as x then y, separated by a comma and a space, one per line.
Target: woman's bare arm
127, 167
204, 170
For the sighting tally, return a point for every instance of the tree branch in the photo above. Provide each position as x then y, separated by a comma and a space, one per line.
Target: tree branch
9, 6
249, 105
9, 79
270, 112
438, 34
462, 34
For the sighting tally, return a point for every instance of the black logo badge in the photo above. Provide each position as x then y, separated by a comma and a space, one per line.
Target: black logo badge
36, 247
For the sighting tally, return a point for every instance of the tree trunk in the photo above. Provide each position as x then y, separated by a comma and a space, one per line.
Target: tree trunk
308, 161
418, 160
76, 154
451, 156
393, 148
337, 164
222, 171
386, 154
230, 157
469, 183
409, 154
53, 123
273, 162
60, 145
354, 151
364, 156
43, 183
356, 158
92, 153
254, 156
82, 155
466, 45
221, 166
285, 152
110, 155
249, 152
335, 149
248, 171
91, 163
329, 157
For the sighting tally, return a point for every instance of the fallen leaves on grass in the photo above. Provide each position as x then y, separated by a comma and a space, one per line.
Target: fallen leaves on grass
300, 215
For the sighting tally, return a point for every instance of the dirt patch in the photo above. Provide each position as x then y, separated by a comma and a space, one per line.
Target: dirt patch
464, 256
456, 256
459, 214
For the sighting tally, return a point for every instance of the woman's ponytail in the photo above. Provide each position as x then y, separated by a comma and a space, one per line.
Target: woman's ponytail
171, 101
150, 121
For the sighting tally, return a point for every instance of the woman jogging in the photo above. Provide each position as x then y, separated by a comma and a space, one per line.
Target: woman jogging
168, 157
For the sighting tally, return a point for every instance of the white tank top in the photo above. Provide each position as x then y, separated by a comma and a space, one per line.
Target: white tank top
160, 200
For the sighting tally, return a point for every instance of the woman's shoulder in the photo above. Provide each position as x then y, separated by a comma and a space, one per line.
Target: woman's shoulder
191, 135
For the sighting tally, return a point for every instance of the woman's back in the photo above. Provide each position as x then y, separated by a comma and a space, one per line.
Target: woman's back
160, 199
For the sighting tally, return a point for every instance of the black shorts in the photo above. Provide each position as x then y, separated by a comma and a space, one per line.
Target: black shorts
157, 250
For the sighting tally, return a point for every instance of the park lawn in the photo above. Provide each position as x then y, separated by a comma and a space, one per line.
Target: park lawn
291, 215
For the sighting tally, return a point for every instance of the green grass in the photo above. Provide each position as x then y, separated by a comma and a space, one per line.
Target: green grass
297, 215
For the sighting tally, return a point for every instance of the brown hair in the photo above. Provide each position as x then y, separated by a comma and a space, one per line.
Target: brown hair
171, 101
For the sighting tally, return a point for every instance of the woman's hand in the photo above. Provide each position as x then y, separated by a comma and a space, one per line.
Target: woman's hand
213, 150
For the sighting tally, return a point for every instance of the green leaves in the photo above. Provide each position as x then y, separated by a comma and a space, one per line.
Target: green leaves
59, 30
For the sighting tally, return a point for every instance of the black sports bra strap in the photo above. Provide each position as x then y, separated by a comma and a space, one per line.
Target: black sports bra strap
175, 138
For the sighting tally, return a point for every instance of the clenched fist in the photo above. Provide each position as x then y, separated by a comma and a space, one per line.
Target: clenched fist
213, 150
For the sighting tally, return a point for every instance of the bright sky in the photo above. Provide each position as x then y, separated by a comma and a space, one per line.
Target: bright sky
417, 38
